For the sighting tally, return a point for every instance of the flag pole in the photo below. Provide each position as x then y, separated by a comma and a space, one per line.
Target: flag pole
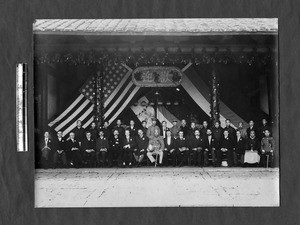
214, 97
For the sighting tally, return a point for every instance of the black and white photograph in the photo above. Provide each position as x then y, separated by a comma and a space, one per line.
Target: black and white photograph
180, 112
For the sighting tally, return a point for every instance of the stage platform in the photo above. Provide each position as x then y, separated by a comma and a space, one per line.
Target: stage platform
157, 187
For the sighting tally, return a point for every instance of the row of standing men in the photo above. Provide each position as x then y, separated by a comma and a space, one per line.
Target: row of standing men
177, 146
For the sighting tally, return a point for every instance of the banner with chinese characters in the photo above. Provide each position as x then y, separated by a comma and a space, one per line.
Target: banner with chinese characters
157, 76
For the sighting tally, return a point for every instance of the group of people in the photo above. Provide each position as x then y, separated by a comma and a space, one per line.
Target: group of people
129, 146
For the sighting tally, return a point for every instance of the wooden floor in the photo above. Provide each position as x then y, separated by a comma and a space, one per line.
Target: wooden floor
150, 187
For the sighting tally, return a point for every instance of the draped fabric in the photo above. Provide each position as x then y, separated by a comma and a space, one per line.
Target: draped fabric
120, 92
199, 92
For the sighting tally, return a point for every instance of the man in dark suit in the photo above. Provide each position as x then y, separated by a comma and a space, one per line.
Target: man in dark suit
164, 129
252, 128
253, 142
73, 148
101, 149
196, 148
264, 126
59, 150
170, 149
239, 149
144, 127
191, 131
217, 132
211, 146
133, 129
107, 132
203, 130
184, 128
120, 128
183, 150
128, 144
115, 149
226, 147
252, 146
142, 142
174, 129
88, 148
46, 147
79, 132
94, 131
230, 129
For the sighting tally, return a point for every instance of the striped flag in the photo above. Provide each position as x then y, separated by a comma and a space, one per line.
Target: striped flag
118, 92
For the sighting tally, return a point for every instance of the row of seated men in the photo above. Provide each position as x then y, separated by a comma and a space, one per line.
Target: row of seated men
127, 147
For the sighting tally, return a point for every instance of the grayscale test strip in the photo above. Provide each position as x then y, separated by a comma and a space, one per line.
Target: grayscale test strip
21, 107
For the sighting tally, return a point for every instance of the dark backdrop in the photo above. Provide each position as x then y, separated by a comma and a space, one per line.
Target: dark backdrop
17, 169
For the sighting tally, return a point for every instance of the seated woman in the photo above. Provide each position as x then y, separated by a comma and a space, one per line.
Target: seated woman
252, 153
267, 149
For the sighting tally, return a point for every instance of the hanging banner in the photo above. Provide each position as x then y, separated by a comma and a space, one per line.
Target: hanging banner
157, 76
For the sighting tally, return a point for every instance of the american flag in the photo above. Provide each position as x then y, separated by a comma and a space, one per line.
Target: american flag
118, 92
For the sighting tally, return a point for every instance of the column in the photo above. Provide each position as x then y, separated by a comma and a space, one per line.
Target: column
98, 96
214, 96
